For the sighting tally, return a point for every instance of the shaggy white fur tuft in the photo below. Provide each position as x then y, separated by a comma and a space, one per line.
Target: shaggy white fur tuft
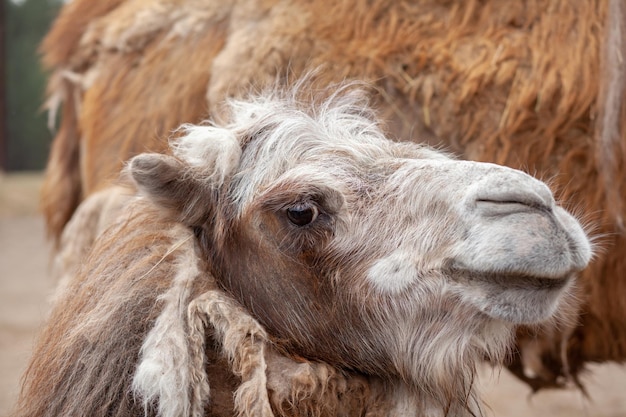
243, 342
165, 368
214, 151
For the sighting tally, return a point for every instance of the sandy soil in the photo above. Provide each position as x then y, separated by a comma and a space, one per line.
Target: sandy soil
25, 286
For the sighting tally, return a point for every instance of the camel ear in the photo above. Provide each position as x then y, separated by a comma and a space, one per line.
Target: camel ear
166, 181
189, 183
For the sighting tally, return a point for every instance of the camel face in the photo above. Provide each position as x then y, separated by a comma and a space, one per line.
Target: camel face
387, 258
521, 249
494, 234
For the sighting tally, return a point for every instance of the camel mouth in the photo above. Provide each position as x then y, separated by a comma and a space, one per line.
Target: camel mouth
515, 297
509, 280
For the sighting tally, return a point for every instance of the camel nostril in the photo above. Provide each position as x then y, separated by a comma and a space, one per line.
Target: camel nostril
506, 191
502, 205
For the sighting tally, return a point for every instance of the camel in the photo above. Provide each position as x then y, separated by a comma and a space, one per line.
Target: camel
537, 85
295, 261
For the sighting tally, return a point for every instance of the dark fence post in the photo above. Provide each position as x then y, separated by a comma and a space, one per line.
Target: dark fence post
3, 92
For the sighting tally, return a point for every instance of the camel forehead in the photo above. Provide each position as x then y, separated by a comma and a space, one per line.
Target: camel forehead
310, 148
362, 178
270, 138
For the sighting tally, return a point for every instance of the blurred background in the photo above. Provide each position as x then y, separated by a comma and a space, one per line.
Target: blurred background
24, 136
24, 144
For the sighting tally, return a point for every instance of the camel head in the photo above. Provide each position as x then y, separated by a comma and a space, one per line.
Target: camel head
385, 258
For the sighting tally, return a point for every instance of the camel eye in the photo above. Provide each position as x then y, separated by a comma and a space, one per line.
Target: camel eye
302, 214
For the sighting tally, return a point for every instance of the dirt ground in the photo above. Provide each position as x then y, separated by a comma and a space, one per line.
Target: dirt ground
25, 287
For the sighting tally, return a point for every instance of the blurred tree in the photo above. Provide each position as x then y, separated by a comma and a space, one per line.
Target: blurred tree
28, 136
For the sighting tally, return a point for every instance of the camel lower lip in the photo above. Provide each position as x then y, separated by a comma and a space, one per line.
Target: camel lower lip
514, 297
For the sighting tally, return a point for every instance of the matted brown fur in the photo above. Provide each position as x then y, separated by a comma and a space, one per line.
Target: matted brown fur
84, 362
518, 83
96, 318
